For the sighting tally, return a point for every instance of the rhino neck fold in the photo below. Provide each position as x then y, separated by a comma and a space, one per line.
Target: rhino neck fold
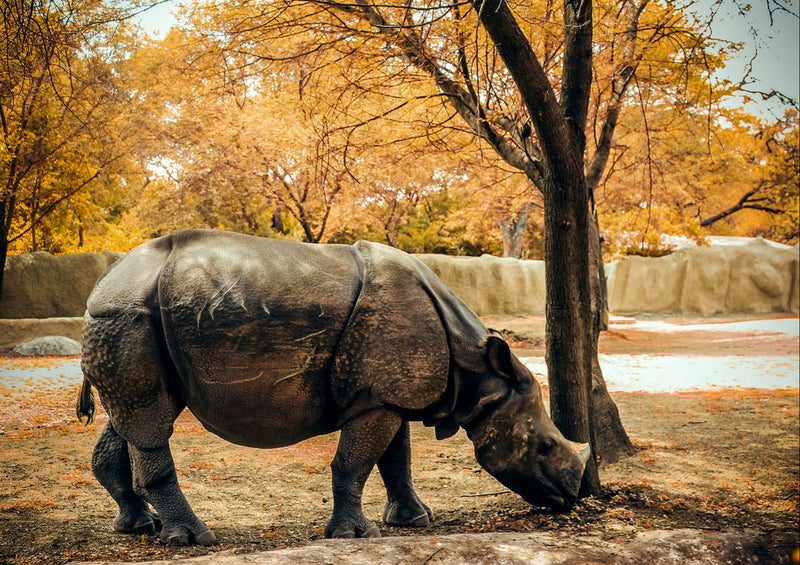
469, 399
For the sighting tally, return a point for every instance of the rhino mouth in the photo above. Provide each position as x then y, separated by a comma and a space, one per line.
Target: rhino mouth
540, 492
554, 498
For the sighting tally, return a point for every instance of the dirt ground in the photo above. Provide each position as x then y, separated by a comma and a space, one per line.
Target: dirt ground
711, 460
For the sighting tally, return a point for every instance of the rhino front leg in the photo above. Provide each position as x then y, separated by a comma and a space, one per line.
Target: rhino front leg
404, 508
111, 466
362, 443
154, 478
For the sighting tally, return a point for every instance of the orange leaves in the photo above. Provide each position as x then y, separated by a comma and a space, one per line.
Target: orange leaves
189, 427
622, 514
78, 477
272, 532
713, 408
39, 504
650, 458
200, 465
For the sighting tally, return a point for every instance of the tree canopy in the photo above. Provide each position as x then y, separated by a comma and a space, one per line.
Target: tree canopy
303, 120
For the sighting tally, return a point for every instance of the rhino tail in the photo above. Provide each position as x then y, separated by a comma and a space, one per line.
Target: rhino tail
84, 408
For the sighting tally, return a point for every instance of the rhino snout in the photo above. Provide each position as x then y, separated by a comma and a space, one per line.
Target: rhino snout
555, 483
534, 460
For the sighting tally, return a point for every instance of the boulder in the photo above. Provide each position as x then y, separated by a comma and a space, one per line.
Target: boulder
656, 547
48, 345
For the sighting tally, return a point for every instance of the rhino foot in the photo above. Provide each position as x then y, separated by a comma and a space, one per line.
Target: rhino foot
182, 535
348, 529
408, 514
142, 522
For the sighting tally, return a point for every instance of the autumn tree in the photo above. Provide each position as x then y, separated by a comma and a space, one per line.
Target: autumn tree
56, 88
677, 176
764, 183
245, 147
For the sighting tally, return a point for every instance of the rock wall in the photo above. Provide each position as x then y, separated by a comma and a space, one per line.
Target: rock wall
753, 278
41, 290
18, 330
41, 285
491, 285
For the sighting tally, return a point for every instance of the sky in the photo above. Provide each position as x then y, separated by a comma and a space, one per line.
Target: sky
776, 43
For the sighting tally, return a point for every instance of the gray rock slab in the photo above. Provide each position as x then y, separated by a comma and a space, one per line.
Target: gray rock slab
656, 547
48, 345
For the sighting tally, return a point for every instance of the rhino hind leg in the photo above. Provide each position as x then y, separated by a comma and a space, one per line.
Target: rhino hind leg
111, 466
155, 480
125, 359
362, 442
404, 507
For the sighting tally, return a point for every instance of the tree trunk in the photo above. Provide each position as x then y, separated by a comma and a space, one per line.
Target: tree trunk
513, 230
569, 341
5, 215
611, 441
277, 219
559, 128
3, 256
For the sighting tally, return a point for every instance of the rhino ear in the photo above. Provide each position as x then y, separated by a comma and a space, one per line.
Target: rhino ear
498, 355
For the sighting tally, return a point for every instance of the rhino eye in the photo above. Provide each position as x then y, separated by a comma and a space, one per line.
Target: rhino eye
545, 446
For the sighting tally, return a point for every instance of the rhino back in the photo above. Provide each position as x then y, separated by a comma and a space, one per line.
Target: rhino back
130, 285
251, 325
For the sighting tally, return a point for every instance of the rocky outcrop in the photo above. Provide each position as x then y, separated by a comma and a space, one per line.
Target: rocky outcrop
491, 285
685, 546
48, 345
18, 330
753, 278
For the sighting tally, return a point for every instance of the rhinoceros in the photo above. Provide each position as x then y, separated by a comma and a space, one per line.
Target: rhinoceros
270, 342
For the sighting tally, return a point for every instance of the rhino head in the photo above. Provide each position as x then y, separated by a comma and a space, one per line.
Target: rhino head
503, 412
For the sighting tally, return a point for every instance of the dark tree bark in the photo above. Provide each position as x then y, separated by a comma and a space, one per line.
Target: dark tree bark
513, 230
277, 219
559, 128
3, 244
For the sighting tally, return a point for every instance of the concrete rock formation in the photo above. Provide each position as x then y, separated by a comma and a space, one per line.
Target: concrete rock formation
493, 285
753, 278
41, 285
18, 330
